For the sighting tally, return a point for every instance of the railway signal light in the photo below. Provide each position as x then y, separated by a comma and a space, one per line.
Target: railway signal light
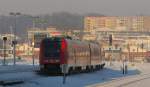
4, 39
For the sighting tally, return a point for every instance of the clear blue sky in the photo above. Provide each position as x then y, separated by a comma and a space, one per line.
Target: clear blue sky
108, 7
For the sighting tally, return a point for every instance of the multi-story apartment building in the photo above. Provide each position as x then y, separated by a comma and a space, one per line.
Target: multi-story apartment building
92, 23
129, 23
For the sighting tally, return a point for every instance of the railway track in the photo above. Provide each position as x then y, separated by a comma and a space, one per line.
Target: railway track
124, 81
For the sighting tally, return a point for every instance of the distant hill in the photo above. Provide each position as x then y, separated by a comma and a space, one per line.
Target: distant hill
61, 20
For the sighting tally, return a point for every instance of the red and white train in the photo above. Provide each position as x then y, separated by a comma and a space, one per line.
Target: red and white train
76, 55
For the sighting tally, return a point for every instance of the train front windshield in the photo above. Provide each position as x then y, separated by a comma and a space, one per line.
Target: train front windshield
52, 48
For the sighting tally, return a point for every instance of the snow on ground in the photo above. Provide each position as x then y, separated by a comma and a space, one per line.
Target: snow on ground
27, 61
18, 68
140, 83
80, 80
140, 80
143, 67
19, 76
21, 66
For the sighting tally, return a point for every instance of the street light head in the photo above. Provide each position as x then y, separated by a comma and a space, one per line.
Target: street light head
13, 13
18, 13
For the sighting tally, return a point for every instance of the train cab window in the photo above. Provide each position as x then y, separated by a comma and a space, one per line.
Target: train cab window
52, 49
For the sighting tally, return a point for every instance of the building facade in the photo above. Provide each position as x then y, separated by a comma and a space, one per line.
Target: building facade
127, 23
129, 34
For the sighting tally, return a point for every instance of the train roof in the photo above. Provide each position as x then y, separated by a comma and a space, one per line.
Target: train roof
68, 38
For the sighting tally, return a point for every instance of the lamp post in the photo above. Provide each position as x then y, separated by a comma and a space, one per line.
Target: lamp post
142, 46
34, 21
110, 48
33, 52
14, 42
